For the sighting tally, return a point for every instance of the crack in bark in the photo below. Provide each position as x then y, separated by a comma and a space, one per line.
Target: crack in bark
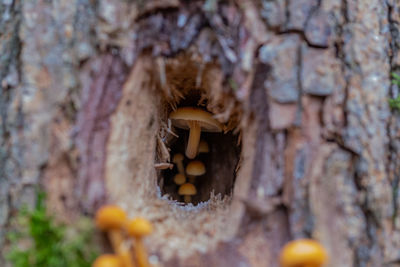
343, 64
391, 146
287, 13
284, 29
343, 61
93, 124
9, 79
302, 35
361, 250
299, 114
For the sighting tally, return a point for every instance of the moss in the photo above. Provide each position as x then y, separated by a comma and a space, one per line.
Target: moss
395, 102
233, 85
42, 242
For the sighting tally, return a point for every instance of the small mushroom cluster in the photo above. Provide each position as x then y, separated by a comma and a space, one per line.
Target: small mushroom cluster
113, 220
196, 121
193, 169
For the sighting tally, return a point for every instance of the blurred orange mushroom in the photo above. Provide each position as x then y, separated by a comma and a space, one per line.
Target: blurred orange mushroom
113, 219
303, 253
138, 228
107, 260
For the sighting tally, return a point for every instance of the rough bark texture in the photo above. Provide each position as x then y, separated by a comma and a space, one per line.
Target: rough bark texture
313, 82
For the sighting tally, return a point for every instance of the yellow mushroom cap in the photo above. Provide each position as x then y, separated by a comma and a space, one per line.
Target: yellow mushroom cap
195, 168
139, 227
110, 217
177, 158
303, 252
203, 147
187, 189
182, 116
179, 179
107, 260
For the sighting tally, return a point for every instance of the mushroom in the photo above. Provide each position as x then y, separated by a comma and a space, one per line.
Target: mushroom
163, 166
187, 191
107, 260
177, 159
138, 228
203, 147
179, 179
303, 252
195, 168
196, 120
112, 219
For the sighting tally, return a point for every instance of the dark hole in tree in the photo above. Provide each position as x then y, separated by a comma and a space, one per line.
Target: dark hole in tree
221, 161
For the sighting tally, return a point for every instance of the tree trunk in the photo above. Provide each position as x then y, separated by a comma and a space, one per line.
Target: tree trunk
304, 86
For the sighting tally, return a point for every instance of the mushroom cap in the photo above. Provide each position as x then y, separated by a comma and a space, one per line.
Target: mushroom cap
177, 157
303, 252
139, 227
187, 190
203, 147
195, 168
110, 217
180, 118
179, 178
107, 260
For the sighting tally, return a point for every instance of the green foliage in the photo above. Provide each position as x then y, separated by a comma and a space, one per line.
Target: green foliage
233, 85
394, 103
42, 242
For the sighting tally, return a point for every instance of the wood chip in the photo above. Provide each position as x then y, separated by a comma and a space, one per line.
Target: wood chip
163, 166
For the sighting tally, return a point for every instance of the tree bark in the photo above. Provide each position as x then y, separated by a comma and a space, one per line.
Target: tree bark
311, 79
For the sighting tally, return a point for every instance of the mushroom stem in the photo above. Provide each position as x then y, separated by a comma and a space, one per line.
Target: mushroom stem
187, 199
115, 237
116, 240
141, 254
126, 258
181, 168
194, 139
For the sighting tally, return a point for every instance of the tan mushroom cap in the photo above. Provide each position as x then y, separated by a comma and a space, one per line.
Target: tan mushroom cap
182, 116
195, 168
179, 179
196, 120
177, 157
187, 190
203, 147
